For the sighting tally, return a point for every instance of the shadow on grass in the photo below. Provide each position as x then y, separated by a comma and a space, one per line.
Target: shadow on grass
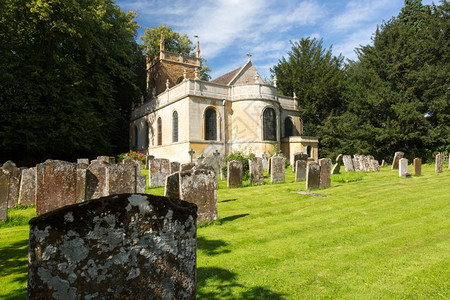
218, 283
232, 218
13, 259
212, 247
228, 200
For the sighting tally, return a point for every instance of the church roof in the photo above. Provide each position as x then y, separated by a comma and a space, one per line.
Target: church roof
242, 75
227, 78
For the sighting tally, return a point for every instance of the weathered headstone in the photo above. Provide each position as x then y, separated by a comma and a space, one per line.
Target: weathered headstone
234, 173
81, 182
133, 162
269, 165
312, 176
14, 182
148, 159
365, 163
265, 161
356, 163
56, 185
300, 170
103, 159
213, 162
187, 167
337, 166
118, 247
417, 166
141, 183
199, 187
174, 167
397, 157
121, 179
277, 169
299, 156
375, 165
403, 167
325, 172
384, 163
83, 161
348, 163
256, 171
172, 187
439, 163
4, 191
158, 170
27, 193
97, 180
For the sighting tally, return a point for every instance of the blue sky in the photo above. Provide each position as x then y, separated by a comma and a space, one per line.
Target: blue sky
228, 29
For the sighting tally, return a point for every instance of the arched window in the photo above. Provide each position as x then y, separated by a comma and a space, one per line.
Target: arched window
210, 124
159, 132
136, 137
269, 125
175, 127
147, 133
180, 80
288, 127
308, 151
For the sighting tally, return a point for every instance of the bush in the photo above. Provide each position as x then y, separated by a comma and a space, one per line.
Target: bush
243, 158
133, 154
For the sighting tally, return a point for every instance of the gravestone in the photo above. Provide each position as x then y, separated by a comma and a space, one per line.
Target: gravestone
14, 182
27, 193
384, 163
81, 174
277, 169
158, 170
174, 167
199, 187
234, 173
364, 162
4, 191
312, 176
300, 170
103, 159
299, 156
118, 247
376, 166
214, 163
417, 166
356, 163
148, 159
141, 183
172, 187
439, 163
325, 172
97, 180
402, 167
337, 166
265, 161
256, 171
121, 179
348, 163
269, 165
83, 161
133, 162
187, 167
397, 157
56, 185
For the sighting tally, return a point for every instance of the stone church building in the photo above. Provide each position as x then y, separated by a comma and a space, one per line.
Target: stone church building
235, 112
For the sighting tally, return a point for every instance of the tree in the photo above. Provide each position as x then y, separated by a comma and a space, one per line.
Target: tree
68, 74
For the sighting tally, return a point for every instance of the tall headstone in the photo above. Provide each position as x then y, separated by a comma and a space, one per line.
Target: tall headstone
439, 163
148, 159
97, 180
133, 162
174, 167
256, 171
365, 163
348, 163
417, 166
299, 156
234, 173
300, 170
119, 247
14, 182
325, 172
312, 176
158, 170
395, 161
402, 167
356, 163
265, 161
4, 191
214, 163
376, 166
56, 185
141, 184
199, 187
172, 187
121, 179
337, 166
277, 169
27, 193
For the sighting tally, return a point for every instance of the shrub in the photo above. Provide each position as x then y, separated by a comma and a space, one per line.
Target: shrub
132, 154
243, 158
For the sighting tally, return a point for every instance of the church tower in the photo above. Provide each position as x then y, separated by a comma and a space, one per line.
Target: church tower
168, 69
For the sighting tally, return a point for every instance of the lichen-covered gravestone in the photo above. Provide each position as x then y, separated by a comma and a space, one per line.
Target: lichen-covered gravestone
4, 191
121, 179
439, 163
133, 162
97, 180
348, 163
125, 246
312, 176
158, 170
397, 156
172, 187
234, 173
14, 182
417, 166
299, 156
265, 162
375, 165
256, 171
300, 170
356, 163
402, 167
27, 193
325, 172
277, 169
174, 167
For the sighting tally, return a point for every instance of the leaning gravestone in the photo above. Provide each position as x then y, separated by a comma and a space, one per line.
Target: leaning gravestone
172, 187
417, 166
397, 157
348, 163
158, 170
337, 166
402, 167
27, 193
174, 167
439, 163
384, 163
97, 180
299, 156
4, 191
14, 182
117, 247
300, 170
256, 171
325, 172
56, 185
312, 176
265, 161
277, 169
199, 187
234, 173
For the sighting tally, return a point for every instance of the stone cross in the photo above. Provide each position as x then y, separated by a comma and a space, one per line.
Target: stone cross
249, 56
216, 154
191, 154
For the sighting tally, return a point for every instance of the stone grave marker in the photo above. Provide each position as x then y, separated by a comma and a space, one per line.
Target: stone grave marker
439, 163
133, 162
81, 174
299, 156
174, 167
4, 192
121, 179
269, 165
348, 163
148, 159
103, 159
356, 163
337, 166
213, 162
375, 165
417, 166
265, 161
312, 176
187, 167
256, 171
402, 167
125, 246
27, 193
365, 163
300, 170
14, 182
97, 180
158, 170
83, 161
234, 173
277, 169
384, 163
325, 172
172, 187
397, 157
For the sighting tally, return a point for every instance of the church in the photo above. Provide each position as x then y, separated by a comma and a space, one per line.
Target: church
235, 112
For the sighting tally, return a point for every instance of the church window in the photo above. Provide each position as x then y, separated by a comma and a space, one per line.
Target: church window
175, 127
136, 136
147, 133
308, 151
210, 124
288, 127
159, 132
269, 125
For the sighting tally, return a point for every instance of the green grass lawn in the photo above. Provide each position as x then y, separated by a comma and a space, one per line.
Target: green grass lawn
375, 236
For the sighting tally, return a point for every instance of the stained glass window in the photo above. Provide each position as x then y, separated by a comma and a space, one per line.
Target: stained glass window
175, 127
159, 131
269, 125
210, 124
